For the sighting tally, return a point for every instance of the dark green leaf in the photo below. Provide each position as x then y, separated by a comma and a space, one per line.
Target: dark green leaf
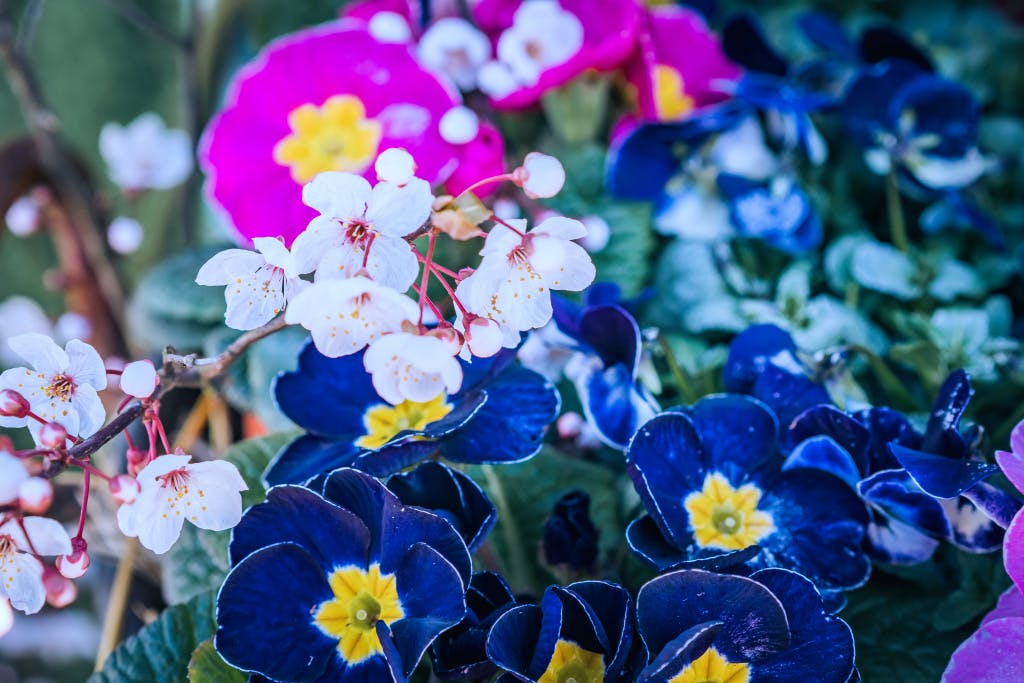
207, 666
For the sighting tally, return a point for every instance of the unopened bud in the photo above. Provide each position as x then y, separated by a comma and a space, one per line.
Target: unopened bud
75, 565
484, 336
13, 404
124, 488
541, 176
35, 495
53, 435
139, 379
60, 590
450, 336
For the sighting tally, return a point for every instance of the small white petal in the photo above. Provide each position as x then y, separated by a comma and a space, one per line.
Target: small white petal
12, 474
496, 80
459, 125
389, 27
454, 47
21, 581
395, 165
86, 365
124, 235
337, 195
398, 211
47, 535
139, 379
226, 266
598, 234
40, 351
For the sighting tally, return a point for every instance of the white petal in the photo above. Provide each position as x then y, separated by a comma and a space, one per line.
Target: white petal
85, 365
392, 263
337, 195
561, 227
47, 535
41, 352
276, 254
459, 125
320, 236
139, 379
545, 175
501, 239
397, 211
125, 235
161, 466
576, 271
255, 300
12, 473
21, 580
389, 27
227, 266
157, 532
89, 408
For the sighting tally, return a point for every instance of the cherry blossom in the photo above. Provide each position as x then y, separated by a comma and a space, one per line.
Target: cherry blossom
21, 572
513, 283
61, 385
413, 367
145, 154
454, 47
259, 283
343, 316
362, 228
207, 494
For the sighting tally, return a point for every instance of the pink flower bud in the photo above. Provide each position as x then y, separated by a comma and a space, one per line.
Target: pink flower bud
450, 336
60, 590
484, 337
35, 495
124, 488
75, 565
13, 404
53, 435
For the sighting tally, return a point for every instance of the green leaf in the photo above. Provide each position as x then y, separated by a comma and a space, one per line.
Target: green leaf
525, 493
161, 651
577, 110
198, 562
207, 666
169, 290
885, 269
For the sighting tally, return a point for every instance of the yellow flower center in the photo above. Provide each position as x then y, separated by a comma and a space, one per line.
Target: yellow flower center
384, 422
725, 517
334, 137
712, 667
572, 664
670, 98
361, 599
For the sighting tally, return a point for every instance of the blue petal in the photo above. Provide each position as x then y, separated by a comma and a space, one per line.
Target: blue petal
614, 404
749, 354
395, 457
680, 652
744, 42
825, 32
513, 639
432, 595
333, 536
820, 529
821, 645
510, 426
940, 476
997, 505
376, 669
753, 620
822, 453
269, 597
845, 430
613, 607
894, 493
306, 457
449, 494
788, 392
894, 542
739, 434
646, 540
326, 396
971, 529
941, 108
579, 623
482, 371
949, 406
666, 461
613, 334
887, 425
880, 43
866, 104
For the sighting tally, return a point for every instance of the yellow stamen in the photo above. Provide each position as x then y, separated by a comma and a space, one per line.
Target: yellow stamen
725, 517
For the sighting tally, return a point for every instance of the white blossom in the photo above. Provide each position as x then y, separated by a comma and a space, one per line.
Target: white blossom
145, 154
20, 315
362, 228
598, 234
343, 316
413, 367
21, 572
12, 474
259, 283
61, 385
389, 27
207, 494
542, 35
513, 283
497, 80
455, 48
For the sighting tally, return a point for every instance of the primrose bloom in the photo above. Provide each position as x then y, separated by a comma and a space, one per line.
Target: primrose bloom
513, 283
259, 283
346, 582
769, 628
344, 316
146, 155
362, 228
207, 494
283, 125
61, 386
412, 367
21, 572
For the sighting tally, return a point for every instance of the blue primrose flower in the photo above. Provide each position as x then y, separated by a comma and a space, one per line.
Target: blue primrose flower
340, 584
769, 628
570, 537
498, 416
712, 479
583, 632
604, 372
459, 654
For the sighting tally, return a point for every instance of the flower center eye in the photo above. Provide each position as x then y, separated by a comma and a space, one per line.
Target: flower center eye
670, 98
336, 136
384, 422
361, 599
518, 256
357, 231
724, 517
725, 520
365, 611
60, 387
6, 545
571, 663
712, 667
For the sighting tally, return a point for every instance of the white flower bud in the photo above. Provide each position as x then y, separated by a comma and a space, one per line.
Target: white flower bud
139, 379
459, 125
541, 176
395, 165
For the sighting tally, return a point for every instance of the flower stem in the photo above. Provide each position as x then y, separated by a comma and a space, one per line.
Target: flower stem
86, 483
517, 565
897, 223
686, 389
426, 273
487, 181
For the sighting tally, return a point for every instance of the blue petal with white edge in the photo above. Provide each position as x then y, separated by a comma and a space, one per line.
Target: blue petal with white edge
395, 457
612, 605
788, 391
940, 476
997, 505
753, 620
821, 645
613, 403
971, 529
646, 540
823, 453
750, 353
739, 434
895, 493
844, 429
894, 542
307, 456
680, 652
512, 640
269, 597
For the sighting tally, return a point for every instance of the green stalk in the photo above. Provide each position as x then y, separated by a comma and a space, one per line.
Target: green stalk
897, 223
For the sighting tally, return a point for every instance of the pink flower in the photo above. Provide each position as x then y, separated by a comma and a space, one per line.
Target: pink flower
678, 66
609, 32
326, 98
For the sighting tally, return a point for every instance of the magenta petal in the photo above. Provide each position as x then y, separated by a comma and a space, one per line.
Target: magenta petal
994, 654
1012, 461
1013, 549
1017, 438
1010, 604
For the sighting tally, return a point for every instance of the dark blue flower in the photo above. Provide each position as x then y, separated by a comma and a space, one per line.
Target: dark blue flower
777, 211
712, 481
771, 627
460, 652
498, 416
584, 632
450, 494
342, 584
570, 537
